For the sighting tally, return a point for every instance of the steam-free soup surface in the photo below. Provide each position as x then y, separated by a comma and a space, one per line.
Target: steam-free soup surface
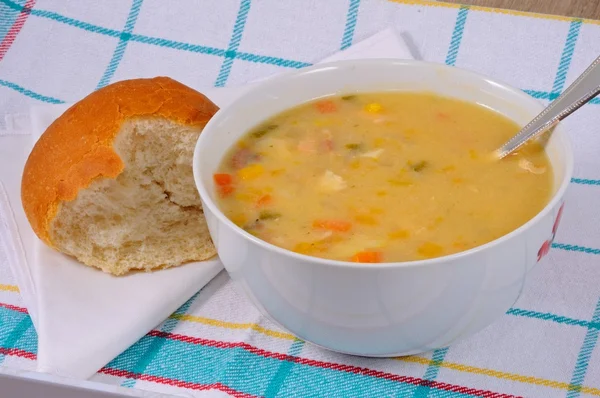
381, 177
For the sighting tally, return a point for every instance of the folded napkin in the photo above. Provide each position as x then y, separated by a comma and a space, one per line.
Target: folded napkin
84, 317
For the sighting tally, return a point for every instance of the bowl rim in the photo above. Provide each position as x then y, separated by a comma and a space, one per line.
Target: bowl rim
272, 81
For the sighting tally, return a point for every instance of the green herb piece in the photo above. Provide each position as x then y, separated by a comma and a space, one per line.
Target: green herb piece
268, 215
264, 130
348, 97
419, 166
354, 146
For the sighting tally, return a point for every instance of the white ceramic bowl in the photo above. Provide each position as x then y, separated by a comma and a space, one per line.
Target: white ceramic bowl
384, 309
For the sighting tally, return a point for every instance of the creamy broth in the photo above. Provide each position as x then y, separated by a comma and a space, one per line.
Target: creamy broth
382, 177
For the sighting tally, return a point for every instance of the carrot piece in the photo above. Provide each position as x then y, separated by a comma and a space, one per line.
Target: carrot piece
367, 257
333, 225
264, 200
222, 179
442, 116
225, 190
328, 144
326, 106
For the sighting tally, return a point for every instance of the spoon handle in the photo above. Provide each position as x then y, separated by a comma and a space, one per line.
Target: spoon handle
582, 90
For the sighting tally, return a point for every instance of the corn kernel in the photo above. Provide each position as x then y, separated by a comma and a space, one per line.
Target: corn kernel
244, 197
303, 248
400, 183
378, 142
322, 122
430, 249
399, 234
365, 219
251, 172
373, 107
239, 219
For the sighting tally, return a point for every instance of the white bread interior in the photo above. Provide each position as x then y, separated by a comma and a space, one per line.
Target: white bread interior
150, 216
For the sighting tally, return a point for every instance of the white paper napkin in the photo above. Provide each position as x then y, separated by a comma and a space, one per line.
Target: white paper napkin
84, 317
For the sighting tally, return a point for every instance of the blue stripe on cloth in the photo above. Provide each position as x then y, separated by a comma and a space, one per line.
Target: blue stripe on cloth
567, 55
234, 43
547, 316
589, 342
431, 373
350, 24
575, 248
123, 39
177, 45
162, 42
16, 331
459, 28
546, 95
286, 63
274, 386
30, 93
585, 181
8, 16
61, 18
146, 350
250, 373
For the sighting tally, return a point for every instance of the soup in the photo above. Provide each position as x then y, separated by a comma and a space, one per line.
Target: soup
382, 177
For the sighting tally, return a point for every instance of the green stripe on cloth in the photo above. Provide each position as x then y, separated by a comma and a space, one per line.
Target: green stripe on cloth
350, 24
459, 28
583, 359
234, 43
146, 350
123, 39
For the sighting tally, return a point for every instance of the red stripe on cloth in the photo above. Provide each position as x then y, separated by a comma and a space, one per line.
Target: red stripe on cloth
16, 352
14, 308
16, 28
334, 366
175, 383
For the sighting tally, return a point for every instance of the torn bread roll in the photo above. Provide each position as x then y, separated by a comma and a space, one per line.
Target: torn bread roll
110, 182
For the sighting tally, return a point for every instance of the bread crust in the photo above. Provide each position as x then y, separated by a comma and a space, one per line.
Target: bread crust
77, 148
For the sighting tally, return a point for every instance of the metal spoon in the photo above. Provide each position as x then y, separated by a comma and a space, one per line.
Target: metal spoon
585, 88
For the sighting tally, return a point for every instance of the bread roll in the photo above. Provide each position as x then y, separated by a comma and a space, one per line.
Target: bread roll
110, 181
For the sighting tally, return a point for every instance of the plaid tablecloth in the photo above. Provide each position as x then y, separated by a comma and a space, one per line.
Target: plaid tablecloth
545, 346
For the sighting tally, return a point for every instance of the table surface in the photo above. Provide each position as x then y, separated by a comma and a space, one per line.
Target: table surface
571, 8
